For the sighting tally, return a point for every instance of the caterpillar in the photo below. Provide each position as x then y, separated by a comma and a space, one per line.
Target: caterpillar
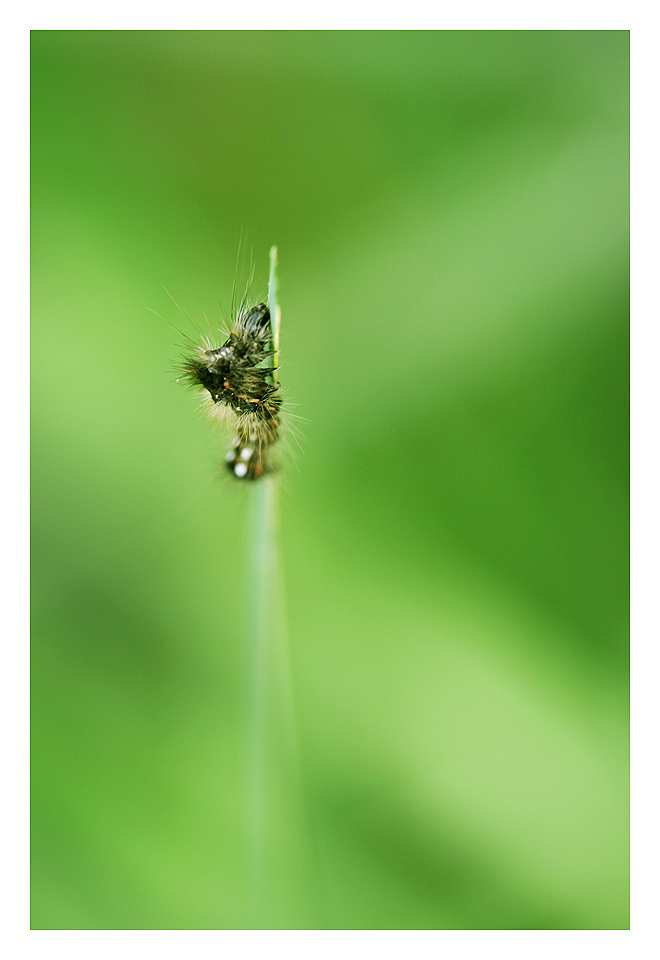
239, 381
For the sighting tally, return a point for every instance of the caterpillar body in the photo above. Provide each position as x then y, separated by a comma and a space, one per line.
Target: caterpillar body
239, 381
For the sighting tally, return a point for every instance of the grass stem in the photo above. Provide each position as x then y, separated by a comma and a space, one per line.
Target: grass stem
275, 809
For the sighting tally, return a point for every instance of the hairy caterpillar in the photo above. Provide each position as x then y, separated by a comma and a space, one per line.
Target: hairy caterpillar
239, 383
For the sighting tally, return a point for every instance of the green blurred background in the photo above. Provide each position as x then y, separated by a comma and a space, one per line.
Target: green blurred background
451, 212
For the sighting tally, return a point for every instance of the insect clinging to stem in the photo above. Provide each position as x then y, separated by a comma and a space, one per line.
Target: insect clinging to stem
241, 381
